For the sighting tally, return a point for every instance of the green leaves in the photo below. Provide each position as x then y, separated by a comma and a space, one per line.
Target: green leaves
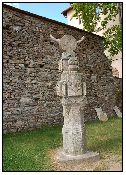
87, 13
108, 14
113, 40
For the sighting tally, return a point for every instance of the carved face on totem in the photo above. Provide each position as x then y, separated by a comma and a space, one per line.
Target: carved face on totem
68, 43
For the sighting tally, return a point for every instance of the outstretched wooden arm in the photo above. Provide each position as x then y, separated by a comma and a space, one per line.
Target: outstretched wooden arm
54, 39
79, 41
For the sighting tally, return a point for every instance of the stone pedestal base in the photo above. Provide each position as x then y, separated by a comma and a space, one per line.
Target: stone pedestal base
87, 157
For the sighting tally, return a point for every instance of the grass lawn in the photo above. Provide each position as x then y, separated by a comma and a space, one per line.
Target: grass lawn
28, 151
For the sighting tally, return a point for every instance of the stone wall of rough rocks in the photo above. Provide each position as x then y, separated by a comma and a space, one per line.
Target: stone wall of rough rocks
30, 71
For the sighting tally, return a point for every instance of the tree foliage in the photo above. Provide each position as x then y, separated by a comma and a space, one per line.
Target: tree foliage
90, 19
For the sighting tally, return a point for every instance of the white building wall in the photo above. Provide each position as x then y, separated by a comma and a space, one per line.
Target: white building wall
117, 63
116, 59
114, 21
73, 21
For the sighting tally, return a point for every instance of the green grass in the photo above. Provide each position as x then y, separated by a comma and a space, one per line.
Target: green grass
28, 151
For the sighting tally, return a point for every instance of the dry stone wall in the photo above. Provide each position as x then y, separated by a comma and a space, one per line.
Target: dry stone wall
30, 71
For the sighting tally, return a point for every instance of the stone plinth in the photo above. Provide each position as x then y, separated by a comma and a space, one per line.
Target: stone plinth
117, 111
87, 156
102, 116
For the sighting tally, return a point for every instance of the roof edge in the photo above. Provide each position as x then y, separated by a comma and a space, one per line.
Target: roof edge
65, 11
47, 19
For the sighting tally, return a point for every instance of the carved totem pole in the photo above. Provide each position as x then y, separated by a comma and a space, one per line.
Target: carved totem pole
73, 93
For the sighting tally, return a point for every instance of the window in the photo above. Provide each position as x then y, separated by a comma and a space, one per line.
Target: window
80, 21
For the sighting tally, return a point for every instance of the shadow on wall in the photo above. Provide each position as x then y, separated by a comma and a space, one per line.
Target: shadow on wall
118, 92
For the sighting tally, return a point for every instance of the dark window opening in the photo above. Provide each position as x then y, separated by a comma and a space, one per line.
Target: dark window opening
80, 21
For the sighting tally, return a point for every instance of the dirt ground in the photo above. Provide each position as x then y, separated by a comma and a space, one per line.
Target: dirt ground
106, 163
